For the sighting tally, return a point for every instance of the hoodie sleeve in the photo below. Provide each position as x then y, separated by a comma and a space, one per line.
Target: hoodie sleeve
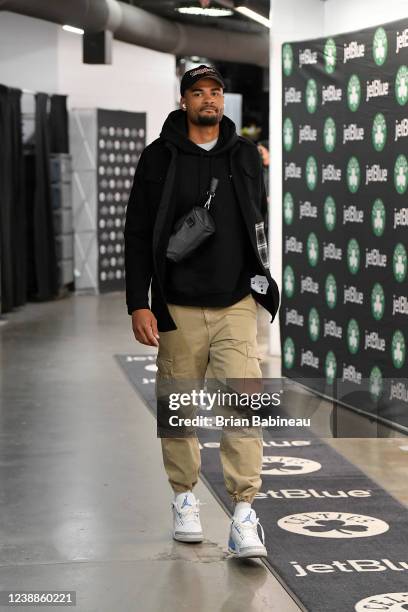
138, 243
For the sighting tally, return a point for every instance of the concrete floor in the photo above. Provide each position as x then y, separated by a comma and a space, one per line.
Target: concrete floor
85, 500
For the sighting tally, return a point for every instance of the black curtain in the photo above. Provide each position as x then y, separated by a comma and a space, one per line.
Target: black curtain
12, 207
43, 226
59, 124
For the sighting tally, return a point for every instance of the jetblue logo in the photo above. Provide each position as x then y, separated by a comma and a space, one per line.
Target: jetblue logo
313, 493
351, 374
307, 210
292, 96
352, 132
400, 305
308, 285
400, 217
330, 251
376, 174
399, 391
307, 134
351, 565
292, 245
402, 40
401, 129
373, 341
331, 94
307, 56
351, 214
377, 88
353, 51
294, 318
292, 171
352, 295
375, 258
330, 173
332, 329
309, 359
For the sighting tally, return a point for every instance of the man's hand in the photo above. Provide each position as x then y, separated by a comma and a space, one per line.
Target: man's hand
144, 325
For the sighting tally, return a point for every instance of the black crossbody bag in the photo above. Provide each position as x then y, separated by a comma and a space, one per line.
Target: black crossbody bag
192, 229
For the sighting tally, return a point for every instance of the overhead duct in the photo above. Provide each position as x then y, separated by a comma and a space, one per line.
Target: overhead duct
138, 27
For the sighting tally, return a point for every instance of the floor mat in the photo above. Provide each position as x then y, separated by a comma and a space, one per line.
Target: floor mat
337, 540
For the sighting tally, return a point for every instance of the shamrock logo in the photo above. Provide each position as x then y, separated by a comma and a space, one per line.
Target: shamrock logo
330, 56
400, 174
330, 367
353, 93
401, 85
287, 59
311, 95
380, 46
327, 525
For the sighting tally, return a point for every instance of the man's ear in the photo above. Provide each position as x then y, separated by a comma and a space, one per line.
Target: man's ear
183, 104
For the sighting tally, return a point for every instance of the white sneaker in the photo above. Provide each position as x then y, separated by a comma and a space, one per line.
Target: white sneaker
186, 518
244, 541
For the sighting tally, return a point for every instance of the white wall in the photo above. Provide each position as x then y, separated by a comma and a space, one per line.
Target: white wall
41, 56
291, 20
28, 58
348, 15
138, 79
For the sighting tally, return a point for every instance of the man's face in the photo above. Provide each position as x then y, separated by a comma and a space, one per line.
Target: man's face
204, 102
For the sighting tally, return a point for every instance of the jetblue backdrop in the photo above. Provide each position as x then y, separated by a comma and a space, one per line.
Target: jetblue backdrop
344, 312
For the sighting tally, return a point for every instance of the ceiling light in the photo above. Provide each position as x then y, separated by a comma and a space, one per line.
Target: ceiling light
69, 28
253, 15
206, 12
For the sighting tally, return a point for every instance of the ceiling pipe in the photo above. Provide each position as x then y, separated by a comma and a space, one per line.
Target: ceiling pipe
138, 27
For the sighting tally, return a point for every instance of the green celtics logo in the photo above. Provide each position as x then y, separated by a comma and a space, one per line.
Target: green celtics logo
311, 173
288, 208
330, 55
311, 95
377, 302
378, 217
401, 85
353, 174
288, 134
353, 336
289, 353
289, 281
399, 262
287, 59
330, 367
329, 135
331, 291
312, 249
314, 324
379, 132
353, 256
353, 93
398, 349
380, 46
400, 174
329, 213
375, 383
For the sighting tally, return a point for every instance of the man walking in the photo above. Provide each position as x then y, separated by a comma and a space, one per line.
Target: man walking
203, 316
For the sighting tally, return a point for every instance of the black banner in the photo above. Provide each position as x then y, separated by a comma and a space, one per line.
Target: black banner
344, 306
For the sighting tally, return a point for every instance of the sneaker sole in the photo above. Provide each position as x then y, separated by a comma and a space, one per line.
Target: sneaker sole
248, 553
188, 537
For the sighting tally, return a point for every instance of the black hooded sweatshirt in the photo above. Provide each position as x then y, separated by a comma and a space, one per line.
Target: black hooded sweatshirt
218, 272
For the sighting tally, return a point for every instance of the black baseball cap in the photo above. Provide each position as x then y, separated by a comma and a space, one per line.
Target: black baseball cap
202, 72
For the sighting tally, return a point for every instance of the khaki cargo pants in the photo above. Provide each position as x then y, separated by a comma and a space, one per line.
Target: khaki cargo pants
217, 343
